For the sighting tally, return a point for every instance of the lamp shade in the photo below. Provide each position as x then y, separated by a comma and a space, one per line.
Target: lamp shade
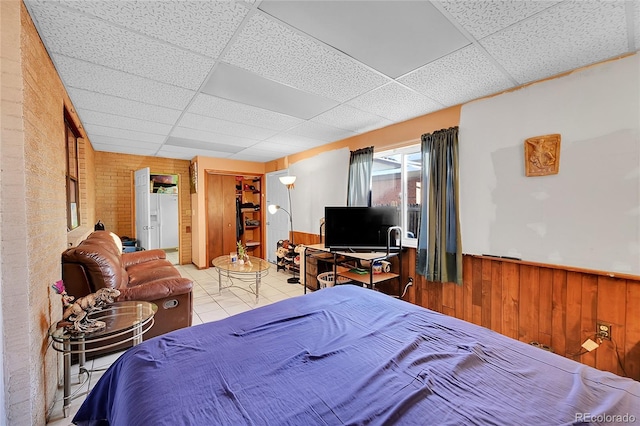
273, 208
287, 180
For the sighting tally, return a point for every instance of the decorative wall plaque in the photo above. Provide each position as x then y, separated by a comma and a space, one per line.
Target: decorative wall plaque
542, 155
193, 177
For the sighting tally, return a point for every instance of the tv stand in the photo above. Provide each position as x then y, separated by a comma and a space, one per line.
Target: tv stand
357, 265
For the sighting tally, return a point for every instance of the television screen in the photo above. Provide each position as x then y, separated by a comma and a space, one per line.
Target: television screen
359, 228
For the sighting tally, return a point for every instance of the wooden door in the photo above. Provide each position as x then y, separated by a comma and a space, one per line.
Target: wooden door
221, 215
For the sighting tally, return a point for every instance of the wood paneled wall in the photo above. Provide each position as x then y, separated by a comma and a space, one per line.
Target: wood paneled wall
554, 306
551, 305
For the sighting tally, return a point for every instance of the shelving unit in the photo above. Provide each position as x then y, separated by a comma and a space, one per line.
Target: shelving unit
286, 256
248, 191
344, 264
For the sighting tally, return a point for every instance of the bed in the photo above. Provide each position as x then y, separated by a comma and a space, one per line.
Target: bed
349, 356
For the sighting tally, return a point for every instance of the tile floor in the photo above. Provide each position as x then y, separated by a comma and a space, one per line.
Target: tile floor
208, 306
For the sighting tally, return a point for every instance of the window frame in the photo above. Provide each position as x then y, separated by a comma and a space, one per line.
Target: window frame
404, 152
72, 178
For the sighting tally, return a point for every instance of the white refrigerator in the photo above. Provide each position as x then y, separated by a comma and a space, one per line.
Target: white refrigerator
163, 209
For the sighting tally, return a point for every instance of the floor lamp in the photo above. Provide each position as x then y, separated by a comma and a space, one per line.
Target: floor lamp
288, 182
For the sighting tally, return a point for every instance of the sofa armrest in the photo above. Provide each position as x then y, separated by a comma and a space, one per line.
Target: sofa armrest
142, 256
157, 289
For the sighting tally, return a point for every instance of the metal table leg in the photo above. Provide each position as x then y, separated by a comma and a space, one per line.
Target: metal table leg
66, 355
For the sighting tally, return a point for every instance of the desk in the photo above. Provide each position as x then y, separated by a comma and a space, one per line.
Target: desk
245, 272
125, 322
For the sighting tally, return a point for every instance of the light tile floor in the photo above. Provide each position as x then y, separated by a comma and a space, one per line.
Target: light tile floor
208, 306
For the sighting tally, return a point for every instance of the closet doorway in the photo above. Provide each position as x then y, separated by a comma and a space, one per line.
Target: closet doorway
234, 213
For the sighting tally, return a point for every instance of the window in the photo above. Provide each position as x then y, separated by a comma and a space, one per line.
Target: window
73, 191
397, 182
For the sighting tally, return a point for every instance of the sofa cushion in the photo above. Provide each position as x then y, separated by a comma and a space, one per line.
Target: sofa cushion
151, 271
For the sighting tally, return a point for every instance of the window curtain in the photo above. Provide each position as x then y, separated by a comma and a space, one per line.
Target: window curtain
360, 172
439, 255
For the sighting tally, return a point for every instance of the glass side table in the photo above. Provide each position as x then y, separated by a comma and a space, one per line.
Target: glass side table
125, 322
251, 273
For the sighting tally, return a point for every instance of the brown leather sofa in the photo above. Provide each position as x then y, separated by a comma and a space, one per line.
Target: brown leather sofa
99, 262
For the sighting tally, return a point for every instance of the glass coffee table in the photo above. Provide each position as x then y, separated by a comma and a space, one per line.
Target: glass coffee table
251, 273
124, 322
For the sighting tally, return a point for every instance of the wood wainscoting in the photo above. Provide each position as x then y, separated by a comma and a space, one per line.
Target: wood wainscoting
553, 305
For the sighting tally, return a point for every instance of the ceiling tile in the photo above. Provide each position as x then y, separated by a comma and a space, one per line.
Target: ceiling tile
131, 150
99, 140
124, 123
243, 86
94, 101
212, 106
195, 144
295, 140
459, 77
114, 47
187, 24
95, 78
482, 18
215, 125
276, 52
256, 155
206, 136
275, 147
349, 118
320, 131
390, 37
395, 102
171, 151
591, 31
114, 132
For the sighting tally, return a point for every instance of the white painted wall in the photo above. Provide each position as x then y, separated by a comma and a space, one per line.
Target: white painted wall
586, 216
320, 181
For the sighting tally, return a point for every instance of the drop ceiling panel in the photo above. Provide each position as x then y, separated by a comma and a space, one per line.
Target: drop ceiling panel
276, 52
320, 131
459, 77
228, 73
114, 47
188, 24
482, 18
94, 101
237, 84
215, 125
124, 143
295, 140
190, 143
131, 150
95, 78
570, 35
349, 118
391, 37
395, 102
201, 135
115, 133
124, 123
171, 151
224, 109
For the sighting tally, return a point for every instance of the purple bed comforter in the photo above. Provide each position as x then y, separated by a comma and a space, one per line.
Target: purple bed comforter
348, 355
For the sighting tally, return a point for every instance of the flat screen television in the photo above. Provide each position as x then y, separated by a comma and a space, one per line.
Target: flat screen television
359, 228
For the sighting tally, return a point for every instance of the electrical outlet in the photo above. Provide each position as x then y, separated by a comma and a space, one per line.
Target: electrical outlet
603, 330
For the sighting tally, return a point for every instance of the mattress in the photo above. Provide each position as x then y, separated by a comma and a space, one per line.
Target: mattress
350, 356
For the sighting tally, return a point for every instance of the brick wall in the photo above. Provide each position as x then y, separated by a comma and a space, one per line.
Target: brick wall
33, 214
115, 195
